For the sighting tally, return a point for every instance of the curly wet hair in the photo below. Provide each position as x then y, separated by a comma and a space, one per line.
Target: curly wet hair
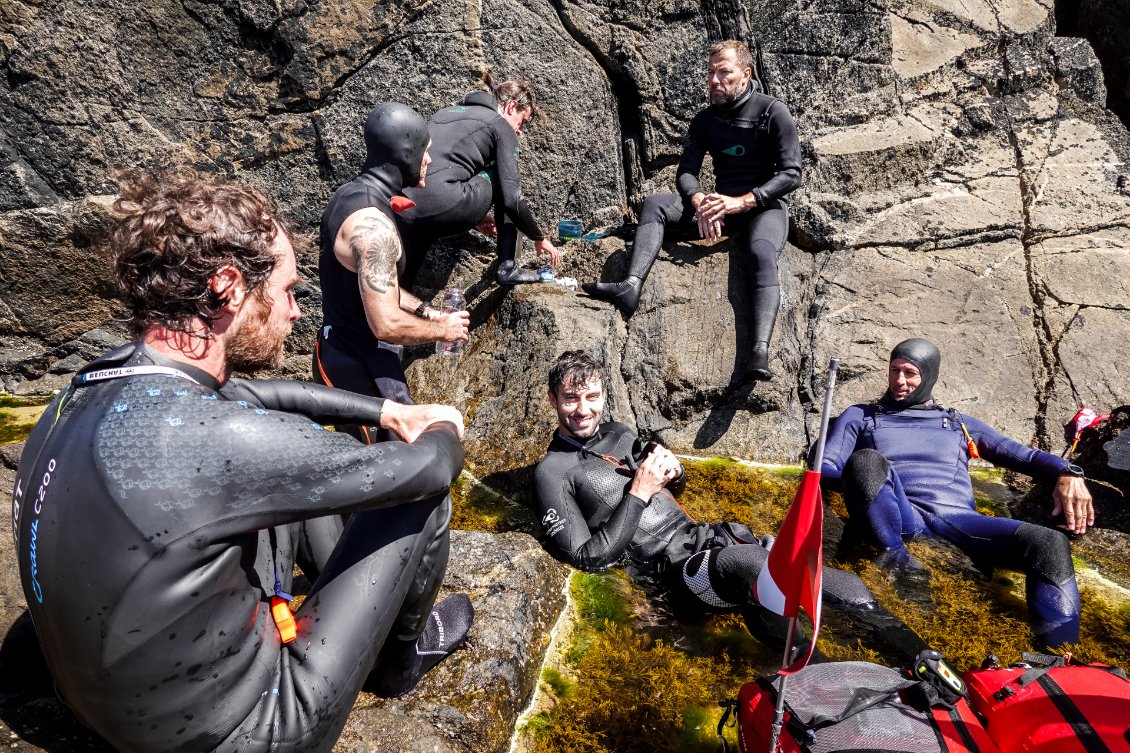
576, 367
174, 232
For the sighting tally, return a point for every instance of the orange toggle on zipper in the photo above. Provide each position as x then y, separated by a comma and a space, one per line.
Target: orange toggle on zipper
284, 619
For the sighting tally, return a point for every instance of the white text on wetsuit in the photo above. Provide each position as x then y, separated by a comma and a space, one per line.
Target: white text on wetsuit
17, 497
36, 588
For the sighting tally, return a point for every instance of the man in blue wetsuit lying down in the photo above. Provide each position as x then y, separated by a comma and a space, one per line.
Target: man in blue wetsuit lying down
903, 464
603, 496
160, 506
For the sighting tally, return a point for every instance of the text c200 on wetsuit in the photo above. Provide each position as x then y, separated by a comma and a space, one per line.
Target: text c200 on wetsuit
141, 512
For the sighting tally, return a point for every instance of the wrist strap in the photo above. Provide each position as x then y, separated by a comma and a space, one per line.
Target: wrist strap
421, 309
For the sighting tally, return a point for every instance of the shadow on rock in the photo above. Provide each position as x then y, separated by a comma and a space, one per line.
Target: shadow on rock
28, 704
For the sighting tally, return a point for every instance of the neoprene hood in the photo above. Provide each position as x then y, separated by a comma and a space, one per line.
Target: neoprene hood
926, 356
396, 138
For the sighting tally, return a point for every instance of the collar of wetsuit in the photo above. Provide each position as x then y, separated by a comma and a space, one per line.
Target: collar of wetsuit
895, 405
201, 376
137, 353
728, 107
480, 99
385, 180
574, 443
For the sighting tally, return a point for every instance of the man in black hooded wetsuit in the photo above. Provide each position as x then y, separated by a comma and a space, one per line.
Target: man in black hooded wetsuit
159, 506
603, 496
903, 464
752, 141
475, 165
368, 317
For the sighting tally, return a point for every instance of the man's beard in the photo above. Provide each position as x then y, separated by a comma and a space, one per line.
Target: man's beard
257, 344
723, 97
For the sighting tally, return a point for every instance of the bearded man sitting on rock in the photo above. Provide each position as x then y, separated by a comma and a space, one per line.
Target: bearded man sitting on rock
160, 505
753, 146
604, 496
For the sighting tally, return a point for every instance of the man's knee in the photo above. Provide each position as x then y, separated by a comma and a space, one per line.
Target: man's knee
1046, 552
865, 473
660, 208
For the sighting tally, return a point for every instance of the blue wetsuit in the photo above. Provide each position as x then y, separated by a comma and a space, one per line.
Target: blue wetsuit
906, 473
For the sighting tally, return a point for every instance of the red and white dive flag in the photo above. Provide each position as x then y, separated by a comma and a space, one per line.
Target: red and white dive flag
790, 580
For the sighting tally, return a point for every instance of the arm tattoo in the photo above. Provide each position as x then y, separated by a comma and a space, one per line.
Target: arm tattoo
375, 247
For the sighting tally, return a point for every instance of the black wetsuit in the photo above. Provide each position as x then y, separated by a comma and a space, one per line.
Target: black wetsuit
347, 354
754, 148
474, 165
593, 522
153, 518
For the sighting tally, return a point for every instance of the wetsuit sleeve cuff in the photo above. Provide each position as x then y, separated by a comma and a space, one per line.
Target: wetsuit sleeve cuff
630, 496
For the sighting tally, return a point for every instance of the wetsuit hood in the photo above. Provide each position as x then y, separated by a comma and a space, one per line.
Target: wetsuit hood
479, 98
924, 355
396, 138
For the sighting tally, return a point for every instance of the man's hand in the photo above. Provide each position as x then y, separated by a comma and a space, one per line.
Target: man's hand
487, 226
455, 325
659, 467
1072, 497
410, 421
546, 247
713, 208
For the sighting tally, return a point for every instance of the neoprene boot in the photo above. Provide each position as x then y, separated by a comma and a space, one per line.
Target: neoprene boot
401, 664
625, 295
510, 273
766, 303
645, 249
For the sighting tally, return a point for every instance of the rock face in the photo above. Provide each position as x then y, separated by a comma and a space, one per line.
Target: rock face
468, 703
1104, 24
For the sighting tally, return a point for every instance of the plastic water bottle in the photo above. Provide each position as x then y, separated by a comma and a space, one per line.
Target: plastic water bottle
546, 273
453, 300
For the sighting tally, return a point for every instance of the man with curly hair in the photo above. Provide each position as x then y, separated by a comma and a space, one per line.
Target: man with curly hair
160, 504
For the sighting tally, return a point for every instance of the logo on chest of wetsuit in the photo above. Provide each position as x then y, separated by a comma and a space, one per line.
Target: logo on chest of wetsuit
737, 150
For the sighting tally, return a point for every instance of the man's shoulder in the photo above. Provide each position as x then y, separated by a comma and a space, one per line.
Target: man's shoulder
369, 221
859, 410
704, 115
557, 452
616, 428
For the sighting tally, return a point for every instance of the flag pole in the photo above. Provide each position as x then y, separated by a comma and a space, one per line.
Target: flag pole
825, 417
817, 462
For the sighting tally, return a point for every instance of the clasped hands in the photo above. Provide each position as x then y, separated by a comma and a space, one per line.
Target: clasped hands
711, 210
